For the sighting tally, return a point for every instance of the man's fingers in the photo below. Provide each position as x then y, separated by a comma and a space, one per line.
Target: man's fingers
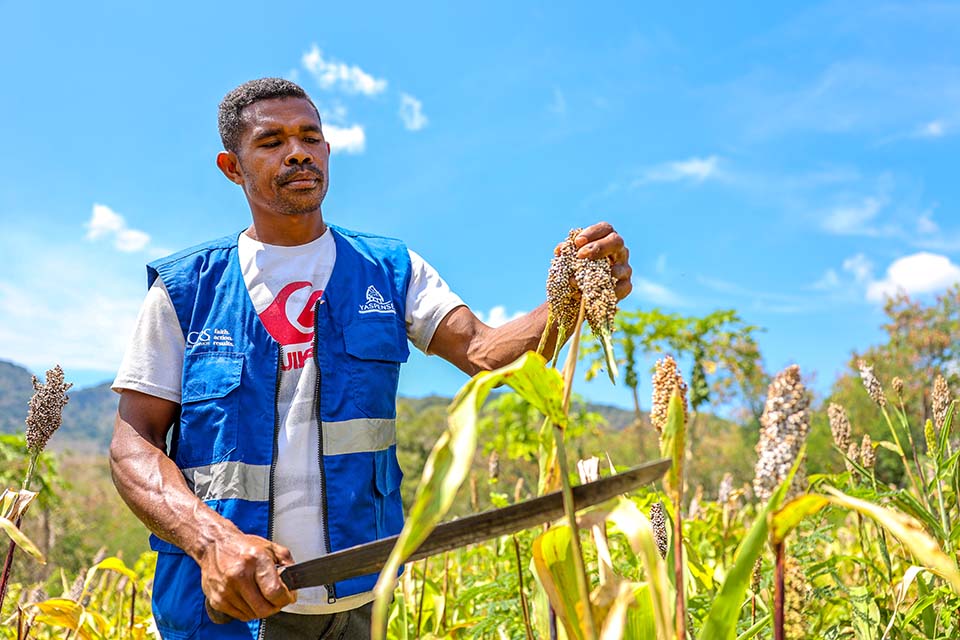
610, 245
226, 606
593, 232
282, 554
272, 587
623, 289
254, 599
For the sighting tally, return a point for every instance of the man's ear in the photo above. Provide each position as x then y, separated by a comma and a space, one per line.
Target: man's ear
229, 164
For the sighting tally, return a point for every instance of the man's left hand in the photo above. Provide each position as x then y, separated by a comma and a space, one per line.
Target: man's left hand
602, 241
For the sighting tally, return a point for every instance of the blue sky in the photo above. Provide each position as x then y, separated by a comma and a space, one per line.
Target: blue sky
794, 162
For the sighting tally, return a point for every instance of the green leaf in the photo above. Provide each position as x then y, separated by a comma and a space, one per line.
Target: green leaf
908, 531
946, 429
755, 629
21, 540
786, 519
866, 618
449, 462
636, 526
611, 360
553, 559
889, 446
673, 439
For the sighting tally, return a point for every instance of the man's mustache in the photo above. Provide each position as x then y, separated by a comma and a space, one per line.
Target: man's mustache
297, 172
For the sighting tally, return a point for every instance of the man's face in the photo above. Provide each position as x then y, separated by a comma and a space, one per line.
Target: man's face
283, 156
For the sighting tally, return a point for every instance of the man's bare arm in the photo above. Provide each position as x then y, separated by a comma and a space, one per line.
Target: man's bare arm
239, 573
462, 339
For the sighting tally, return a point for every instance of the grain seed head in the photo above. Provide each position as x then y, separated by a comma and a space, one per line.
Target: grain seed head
783, 430
839, 426
797, 593
666, 378
868, 457
659, 523
570, 277
493, 466
897, 383
726, 488
941, 401
871, 384
853, 453
46, 409
562, 296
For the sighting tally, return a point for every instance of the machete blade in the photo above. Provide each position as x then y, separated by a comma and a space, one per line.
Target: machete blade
370, 557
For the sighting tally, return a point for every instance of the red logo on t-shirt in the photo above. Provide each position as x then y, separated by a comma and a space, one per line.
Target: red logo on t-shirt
289, 318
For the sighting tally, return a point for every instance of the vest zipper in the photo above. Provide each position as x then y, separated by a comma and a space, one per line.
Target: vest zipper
273, 459
331, 589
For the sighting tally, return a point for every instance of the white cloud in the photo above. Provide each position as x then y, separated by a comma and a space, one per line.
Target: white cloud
655, 293
333, 74
926, 225
105, 222
854, 219
915, 274
498, 316
829, 280
693, 169
860, 267
345, 139
411, 112
933, 129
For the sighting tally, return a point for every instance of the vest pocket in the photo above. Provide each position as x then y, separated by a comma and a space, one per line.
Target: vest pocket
209, 407
177, 597
389, 505
377, 346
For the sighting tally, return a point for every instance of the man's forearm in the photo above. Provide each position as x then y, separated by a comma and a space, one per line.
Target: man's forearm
499, 346
155, 490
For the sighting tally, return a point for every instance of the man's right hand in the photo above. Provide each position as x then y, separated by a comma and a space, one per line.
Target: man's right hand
239, 576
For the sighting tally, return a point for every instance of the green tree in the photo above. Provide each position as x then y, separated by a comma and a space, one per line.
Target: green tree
720, 349
922, 341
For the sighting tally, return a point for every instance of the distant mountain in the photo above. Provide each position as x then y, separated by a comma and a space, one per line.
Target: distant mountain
88, 417
15, 392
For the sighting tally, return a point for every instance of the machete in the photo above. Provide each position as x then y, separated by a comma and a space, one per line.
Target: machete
370, 557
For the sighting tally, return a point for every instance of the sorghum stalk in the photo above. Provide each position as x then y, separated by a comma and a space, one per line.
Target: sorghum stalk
778, 594
875, 391
569, 369
44, 414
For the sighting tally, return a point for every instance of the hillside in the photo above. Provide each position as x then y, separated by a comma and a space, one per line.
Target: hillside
88, 418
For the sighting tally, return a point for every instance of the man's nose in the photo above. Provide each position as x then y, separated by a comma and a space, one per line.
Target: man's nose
298, 155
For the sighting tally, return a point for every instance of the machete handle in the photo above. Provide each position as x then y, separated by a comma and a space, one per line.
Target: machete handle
219, 617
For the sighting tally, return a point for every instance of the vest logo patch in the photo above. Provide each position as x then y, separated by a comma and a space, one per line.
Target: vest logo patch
217, 337
376, 304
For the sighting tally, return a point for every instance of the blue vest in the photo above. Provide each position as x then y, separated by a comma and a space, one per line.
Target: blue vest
224, 441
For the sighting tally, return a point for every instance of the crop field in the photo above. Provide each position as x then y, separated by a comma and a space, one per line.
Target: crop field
859, 541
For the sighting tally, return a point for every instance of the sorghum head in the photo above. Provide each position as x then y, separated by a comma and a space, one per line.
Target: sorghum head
868, 457
562, 294
659, 523
940, 401
871, 384
46, 409
666, 378
839, 426
783, 430
897, 383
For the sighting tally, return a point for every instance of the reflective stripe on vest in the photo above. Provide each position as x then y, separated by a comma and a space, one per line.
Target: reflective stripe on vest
242, 481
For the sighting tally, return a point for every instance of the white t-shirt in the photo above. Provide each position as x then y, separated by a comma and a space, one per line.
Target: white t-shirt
284, 284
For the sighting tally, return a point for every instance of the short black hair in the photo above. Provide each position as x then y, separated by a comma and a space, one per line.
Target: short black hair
231, 107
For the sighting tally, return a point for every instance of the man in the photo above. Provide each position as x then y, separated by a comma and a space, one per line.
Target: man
274, 355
